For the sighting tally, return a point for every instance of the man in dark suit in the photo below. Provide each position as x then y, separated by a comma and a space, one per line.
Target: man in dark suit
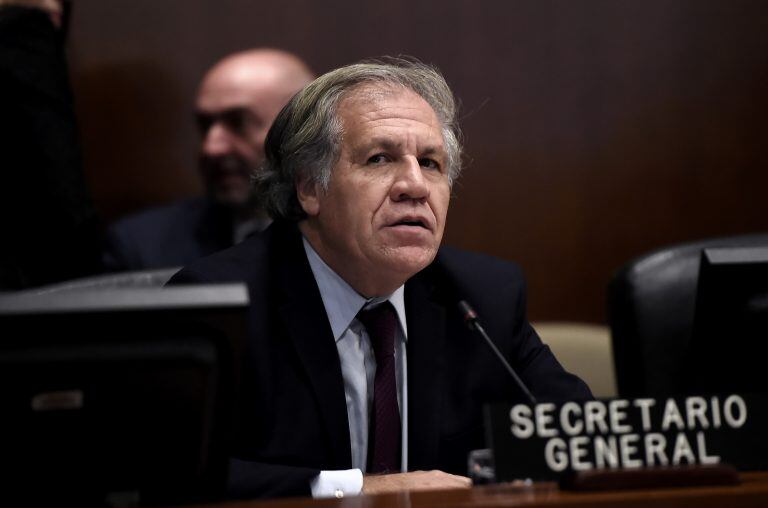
358, 360
237, 101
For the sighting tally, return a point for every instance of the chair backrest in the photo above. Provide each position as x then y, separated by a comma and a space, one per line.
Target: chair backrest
651, 307
583, 349
137, 279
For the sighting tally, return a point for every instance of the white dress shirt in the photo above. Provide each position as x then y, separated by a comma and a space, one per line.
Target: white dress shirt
358, 369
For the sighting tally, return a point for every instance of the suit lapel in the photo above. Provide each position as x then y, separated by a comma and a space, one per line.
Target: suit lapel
426, 336
303, 316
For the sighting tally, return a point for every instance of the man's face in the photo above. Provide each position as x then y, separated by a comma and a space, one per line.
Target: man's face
383, 215
233, 118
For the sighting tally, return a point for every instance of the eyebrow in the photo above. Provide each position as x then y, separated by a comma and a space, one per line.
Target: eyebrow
433, 150
385, 143
237, 110
388, 144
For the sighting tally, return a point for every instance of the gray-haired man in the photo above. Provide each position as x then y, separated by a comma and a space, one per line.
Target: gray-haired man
358, 362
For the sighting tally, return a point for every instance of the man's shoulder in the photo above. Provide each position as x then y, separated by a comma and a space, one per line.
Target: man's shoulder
160, 219
247, 261
490, 284
465, 264
168, 235
237, 263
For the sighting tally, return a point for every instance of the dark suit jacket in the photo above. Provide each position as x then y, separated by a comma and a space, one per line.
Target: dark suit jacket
292, 405
171, 235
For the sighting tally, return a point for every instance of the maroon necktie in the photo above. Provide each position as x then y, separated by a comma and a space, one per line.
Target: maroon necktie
384, 430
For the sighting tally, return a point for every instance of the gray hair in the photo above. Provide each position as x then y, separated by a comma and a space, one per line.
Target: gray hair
305, 139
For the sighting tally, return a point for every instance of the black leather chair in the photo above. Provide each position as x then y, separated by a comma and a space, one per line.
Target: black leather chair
651, 306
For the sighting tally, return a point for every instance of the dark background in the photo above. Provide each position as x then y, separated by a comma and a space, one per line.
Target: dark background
596, 130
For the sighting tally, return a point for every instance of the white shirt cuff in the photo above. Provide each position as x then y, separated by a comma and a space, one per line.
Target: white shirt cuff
348, 482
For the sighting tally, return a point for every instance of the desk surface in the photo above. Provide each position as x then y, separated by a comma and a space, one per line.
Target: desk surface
753, 492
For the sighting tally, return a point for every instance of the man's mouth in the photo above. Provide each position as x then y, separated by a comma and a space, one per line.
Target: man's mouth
411, 222
226, 167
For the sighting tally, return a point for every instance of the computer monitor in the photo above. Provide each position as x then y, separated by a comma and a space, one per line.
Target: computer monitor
118, 396
731, 322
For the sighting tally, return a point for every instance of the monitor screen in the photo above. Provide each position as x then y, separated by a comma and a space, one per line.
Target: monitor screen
731, 322
119, 395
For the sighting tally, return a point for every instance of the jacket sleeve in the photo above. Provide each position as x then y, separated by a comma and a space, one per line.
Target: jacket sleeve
539, 369
250, 478
498, 291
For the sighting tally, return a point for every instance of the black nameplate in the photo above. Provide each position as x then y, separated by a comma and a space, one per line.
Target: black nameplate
545, 441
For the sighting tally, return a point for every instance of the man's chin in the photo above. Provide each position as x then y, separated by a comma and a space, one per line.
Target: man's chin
409, 260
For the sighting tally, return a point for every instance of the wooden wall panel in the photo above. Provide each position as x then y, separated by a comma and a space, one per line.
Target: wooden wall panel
596, 130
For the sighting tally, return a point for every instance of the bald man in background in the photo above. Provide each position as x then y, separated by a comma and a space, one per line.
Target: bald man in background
237, 101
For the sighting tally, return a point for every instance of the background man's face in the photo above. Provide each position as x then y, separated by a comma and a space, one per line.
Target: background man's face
235, 109
385, 209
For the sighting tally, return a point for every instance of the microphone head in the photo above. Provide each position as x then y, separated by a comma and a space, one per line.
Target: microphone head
467, 312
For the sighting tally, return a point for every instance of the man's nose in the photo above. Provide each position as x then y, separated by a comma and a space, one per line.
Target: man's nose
409, 181
217, 141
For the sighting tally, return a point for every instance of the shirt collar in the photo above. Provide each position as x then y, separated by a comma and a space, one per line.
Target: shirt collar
341, 301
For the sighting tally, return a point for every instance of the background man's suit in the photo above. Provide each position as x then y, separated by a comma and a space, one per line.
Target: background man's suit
171, 235
292, 407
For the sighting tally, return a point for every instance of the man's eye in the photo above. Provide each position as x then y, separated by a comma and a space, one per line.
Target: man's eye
235, 121
379, 158
204, 123
429, 163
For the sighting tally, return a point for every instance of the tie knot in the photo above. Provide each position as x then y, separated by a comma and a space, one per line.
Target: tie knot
380, 323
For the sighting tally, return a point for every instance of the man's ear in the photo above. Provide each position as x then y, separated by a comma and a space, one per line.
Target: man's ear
308, 193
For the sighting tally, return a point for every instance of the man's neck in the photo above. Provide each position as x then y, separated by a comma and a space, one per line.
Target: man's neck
369, 283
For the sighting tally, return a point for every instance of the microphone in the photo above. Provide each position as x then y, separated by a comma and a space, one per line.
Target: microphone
473, 323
